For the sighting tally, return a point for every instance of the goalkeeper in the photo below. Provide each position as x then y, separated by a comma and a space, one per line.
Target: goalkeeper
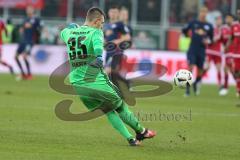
85, 48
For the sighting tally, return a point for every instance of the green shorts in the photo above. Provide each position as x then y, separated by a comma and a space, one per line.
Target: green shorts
95, 95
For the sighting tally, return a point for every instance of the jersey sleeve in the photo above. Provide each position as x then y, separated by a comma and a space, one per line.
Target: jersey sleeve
187, 28
98, 41
123, 28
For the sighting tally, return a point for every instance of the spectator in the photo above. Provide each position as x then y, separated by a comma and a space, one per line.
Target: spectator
144, 41
48, 35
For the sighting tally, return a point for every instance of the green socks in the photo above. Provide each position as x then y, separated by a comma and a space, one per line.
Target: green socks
129, 118
118, 124
124, 115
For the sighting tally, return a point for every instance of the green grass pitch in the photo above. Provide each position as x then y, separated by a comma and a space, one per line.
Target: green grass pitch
29, 129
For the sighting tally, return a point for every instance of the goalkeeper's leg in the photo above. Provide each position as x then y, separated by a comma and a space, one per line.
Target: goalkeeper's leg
113, 118
130, 119
93, 98
118, 124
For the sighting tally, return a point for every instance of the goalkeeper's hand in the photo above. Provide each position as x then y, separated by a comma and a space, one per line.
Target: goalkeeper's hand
72, 25
98, 62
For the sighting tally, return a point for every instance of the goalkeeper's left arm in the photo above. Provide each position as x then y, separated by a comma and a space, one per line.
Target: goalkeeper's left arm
98, 40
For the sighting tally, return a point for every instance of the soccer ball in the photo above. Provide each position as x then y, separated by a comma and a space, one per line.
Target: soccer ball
182, 78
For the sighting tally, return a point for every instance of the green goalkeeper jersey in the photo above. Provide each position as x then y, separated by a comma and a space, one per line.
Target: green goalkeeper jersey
84, 47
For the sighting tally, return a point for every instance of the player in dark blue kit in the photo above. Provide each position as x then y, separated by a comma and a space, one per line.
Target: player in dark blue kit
116, 33
29, 30
201, 35
124, 17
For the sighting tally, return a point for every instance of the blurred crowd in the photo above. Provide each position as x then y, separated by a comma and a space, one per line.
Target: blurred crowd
148, 13
47, 35
182, 11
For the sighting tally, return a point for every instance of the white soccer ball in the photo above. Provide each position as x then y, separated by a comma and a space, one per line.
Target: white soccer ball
182, 78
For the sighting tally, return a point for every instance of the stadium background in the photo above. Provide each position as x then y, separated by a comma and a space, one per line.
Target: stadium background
156, 29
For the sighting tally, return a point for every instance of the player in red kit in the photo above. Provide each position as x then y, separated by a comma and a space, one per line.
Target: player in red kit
214, 50
3, 29
228, 50
235, 40
236, 55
